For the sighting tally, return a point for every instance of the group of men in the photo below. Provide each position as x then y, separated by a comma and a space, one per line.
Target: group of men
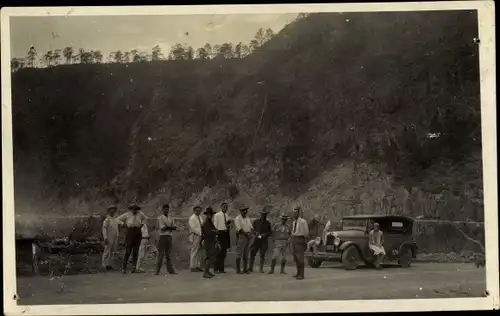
210, 235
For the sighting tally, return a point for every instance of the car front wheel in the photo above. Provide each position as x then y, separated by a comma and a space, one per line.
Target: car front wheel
314, 263
350, 258
405, 257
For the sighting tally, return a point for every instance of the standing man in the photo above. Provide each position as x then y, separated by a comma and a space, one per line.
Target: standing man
300, 232
243, 230
263, 230
166, 226
314, 233
195, 234
281, 234
143, 247
132, 220
209, 233
222, 223
110, 233
376, 244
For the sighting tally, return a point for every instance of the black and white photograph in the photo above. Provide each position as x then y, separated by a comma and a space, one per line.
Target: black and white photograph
222, 159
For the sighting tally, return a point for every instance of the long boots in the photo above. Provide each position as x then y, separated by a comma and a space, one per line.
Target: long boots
252, 261
283, 263
261, 267
300, 275
238, 266
273, 264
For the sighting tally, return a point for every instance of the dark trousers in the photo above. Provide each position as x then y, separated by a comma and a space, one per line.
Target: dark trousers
258, 246
210, 255
225, 244
164, 250
299, 246
133, 239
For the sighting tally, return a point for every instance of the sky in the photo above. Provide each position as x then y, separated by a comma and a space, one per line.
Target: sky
112, 33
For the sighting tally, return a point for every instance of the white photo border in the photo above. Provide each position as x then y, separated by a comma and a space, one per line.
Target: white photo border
486, 21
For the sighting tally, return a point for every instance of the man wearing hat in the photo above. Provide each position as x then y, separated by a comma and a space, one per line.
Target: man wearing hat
132, 220
195, 233
243, 228
262, 228
166, 226
300, 232
110, 233
281, 234
209, 238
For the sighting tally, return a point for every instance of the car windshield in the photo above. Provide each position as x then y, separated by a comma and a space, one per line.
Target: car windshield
354, 224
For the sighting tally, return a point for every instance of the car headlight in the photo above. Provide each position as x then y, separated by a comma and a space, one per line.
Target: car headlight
336, 242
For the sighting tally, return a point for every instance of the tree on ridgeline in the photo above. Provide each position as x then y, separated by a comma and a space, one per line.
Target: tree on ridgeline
118, 56
47, 58
189, 53
57, 57
85, 57
209, 50
144, 57
135, 55
261, 37
97, 56
302, 15
126, 57
226, 50
68, 54
16, 64
31, 57
177, 52
156, 53
202, 53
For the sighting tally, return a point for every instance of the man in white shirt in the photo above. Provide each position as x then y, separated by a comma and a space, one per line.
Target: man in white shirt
244, 229
142, 248
222, 223
300, 232
132, 220
166, 226
110, 233
195, 240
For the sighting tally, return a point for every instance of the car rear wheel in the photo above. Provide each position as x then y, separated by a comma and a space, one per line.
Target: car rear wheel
405, 257
350, 258
314, 263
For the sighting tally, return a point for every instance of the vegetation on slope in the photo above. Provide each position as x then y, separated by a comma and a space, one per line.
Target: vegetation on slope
373, 88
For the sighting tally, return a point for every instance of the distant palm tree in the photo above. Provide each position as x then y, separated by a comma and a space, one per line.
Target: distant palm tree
48, 58
68, 54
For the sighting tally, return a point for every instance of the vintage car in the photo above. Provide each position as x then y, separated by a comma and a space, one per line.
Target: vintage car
349, 245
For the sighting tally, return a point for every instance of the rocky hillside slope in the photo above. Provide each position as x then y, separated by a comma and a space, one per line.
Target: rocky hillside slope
335, 111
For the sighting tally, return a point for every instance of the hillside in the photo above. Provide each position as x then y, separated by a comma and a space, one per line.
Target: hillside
335, 107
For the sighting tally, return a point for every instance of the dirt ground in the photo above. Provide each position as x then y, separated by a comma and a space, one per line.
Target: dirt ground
422, 280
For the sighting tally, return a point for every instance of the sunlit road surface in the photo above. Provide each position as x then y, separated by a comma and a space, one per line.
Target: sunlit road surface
422, 280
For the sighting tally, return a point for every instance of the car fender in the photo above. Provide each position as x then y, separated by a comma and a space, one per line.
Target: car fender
412, 245
347, 244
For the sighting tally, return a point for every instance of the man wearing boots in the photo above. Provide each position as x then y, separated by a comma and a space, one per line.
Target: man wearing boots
132, 220
281, 234
243, 230
209, 239
262, 228
300, 232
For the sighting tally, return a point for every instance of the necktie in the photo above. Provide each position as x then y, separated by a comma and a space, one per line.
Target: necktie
225, 221
294, 226
199, 220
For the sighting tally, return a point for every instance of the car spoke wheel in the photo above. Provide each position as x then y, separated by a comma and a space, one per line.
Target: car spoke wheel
405, 257
350, 258
314, 263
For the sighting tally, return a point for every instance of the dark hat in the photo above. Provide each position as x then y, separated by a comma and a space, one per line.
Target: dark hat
112, 207
209, 210
284, 216
134, 207
265, 210
166, 205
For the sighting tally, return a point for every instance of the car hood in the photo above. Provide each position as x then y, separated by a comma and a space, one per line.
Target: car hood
346, 234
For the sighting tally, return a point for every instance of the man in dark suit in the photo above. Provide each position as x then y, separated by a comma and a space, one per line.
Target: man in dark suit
209, 239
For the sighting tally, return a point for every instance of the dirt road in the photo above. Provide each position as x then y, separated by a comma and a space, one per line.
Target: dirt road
422, 280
